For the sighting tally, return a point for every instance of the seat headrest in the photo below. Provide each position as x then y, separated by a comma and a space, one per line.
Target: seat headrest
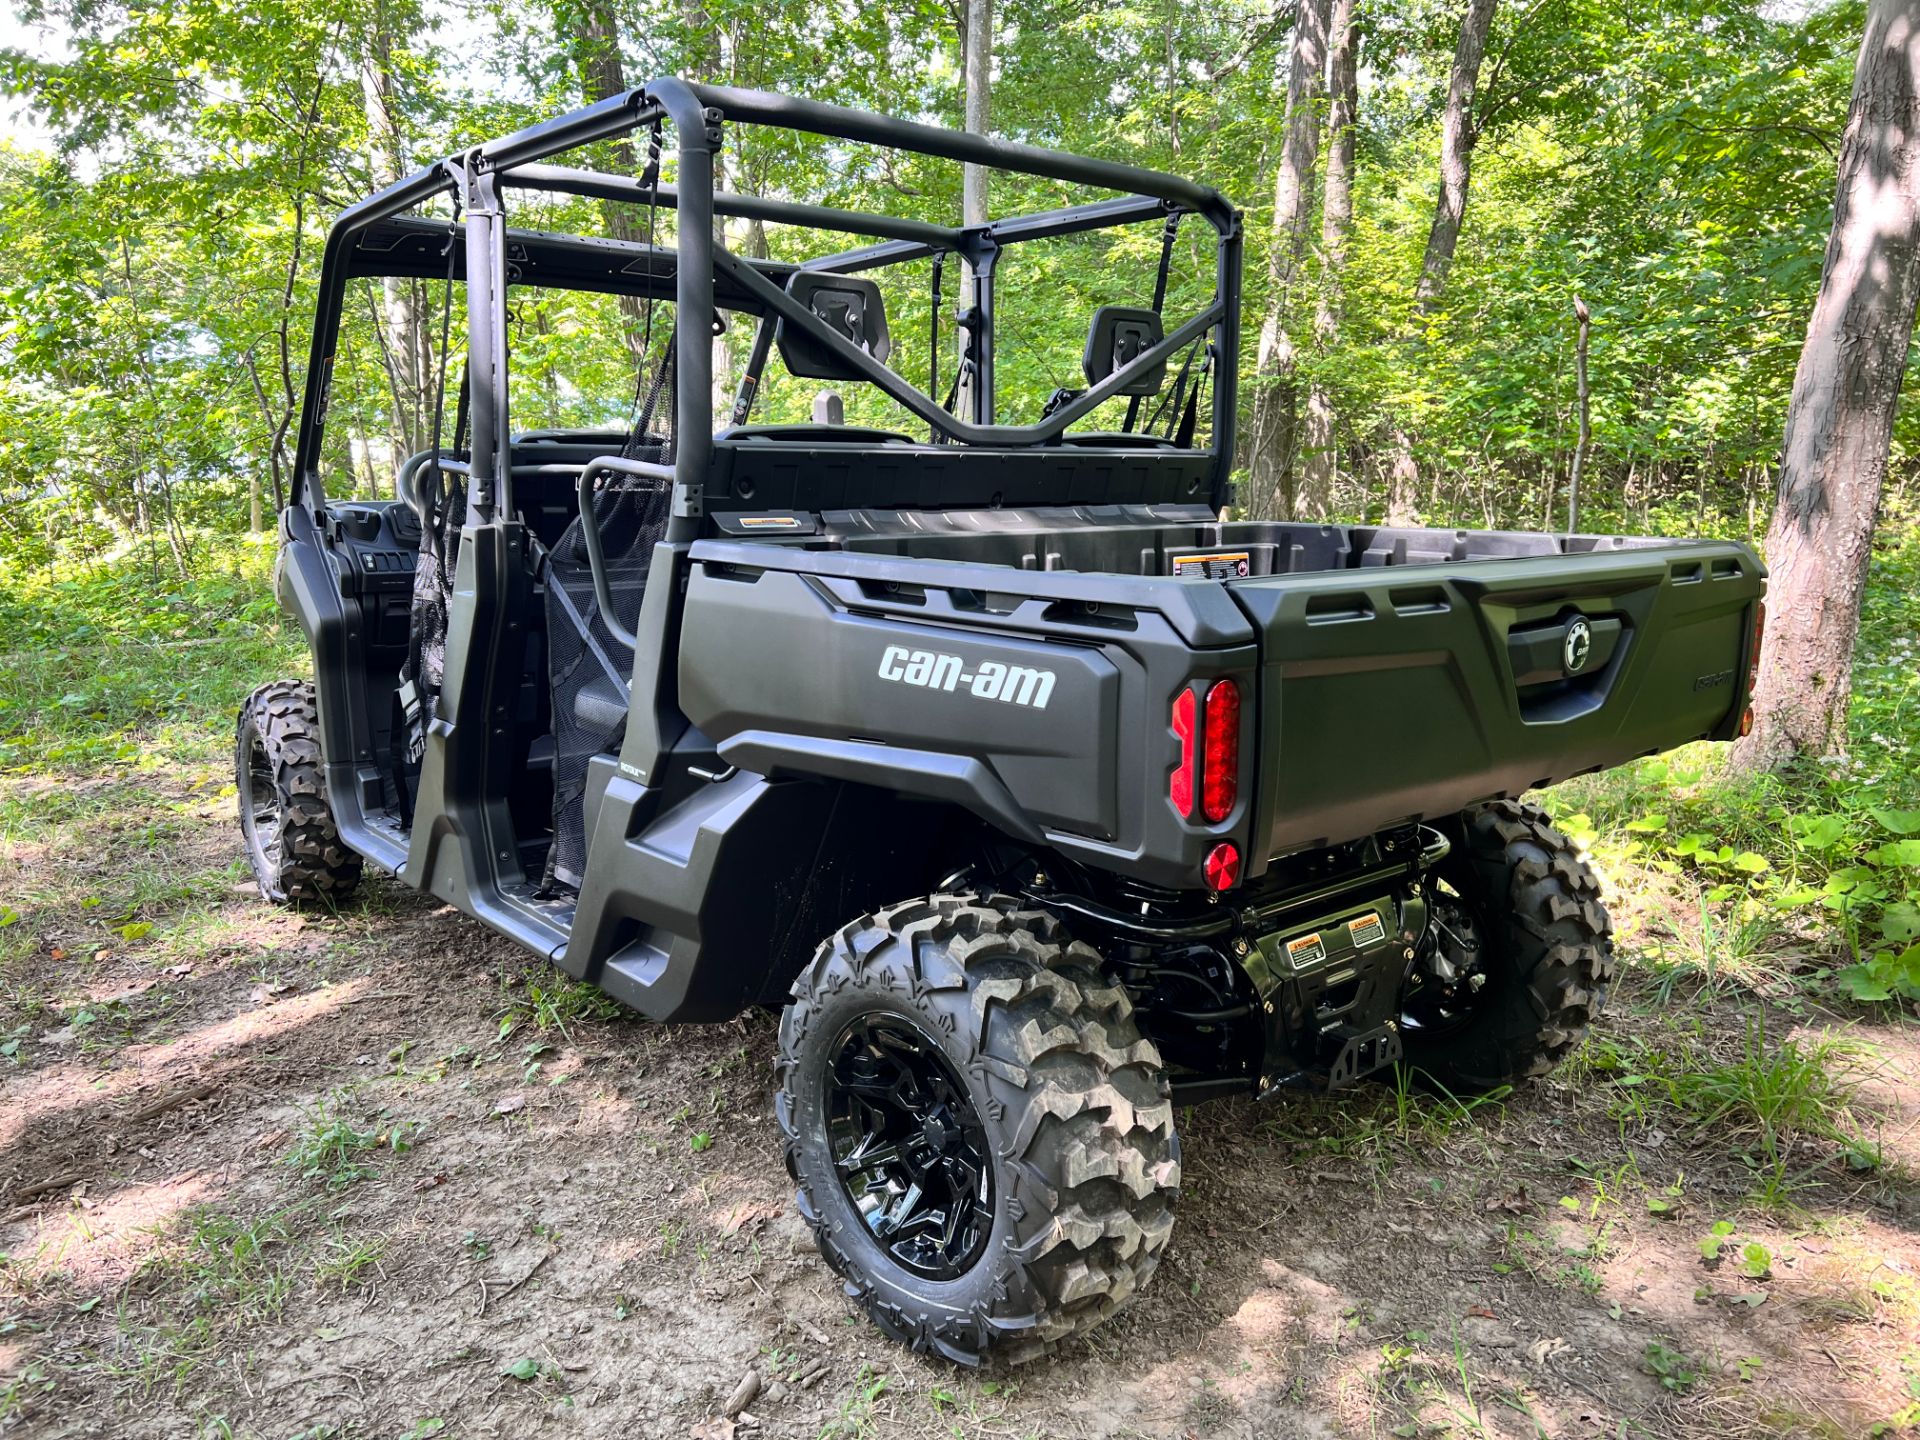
850, 306
1121, 333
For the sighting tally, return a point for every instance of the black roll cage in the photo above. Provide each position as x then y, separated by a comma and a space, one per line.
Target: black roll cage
704, 270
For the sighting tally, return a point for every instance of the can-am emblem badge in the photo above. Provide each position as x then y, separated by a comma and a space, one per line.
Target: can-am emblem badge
1578, 646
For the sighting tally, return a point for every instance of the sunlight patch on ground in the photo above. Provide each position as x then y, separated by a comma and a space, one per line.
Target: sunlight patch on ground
203, 1056
98, 1243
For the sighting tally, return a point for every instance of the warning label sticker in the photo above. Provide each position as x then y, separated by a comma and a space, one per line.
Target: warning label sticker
770, 522
1367, 929
1222, 565
1305, 950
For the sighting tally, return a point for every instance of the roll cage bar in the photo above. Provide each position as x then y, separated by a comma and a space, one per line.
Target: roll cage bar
369, 239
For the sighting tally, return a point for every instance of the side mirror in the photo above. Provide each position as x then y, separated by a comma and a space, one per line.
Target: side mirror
843, 303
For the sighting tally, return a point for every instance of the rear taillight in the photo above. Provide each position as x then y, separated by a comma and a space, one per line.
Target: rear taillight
1753, 664
1205, 784
1221, 773
1180, 789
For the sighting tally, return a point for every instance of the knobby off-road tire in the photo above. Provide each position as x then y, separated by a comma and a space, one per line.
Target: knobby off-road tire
1547, 953
297, 854
1069, 1098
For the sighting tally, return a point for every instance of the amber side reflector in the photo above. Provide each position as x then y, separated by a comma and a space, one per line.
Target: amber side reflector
1746, 723
1220, 785
1222, 866
1180, 788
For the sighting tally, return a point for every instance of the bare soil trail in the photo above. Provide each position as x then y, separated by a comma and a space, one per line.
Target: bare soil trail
377, 1174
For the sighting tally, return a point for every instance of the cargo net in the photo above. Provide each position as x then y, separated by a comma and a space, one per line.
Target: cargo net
587, 667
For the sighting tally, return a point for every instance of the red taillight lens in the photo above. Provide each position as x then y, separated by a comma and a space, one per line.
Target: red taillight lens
1221, 773
1222, 866
1180, 789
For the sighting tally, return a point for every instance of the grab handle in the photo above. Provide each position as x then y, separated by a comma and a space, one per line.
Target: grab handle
590, 529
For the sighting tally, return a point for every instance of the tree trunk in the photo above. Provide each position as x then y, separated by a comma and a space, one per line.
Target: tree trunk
595, 38
1584, 318
1270, 436
1457, 136
1336, 219
404, 337
1840, 418
1403, 478
976, 61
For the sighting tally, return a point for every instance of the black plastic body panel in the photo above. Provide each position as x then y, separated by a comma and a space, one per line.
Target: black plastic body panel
1388, 694
760, 474
896, 673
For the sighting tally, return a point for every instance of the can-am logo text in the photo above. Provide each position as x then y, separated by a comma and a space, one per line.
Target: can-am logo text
1015, 684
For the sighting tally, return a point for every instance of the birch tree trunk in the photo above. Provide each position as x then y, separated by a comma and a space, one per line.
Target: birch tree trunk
1457, 136
1336, 219
1840, 418
1270, 437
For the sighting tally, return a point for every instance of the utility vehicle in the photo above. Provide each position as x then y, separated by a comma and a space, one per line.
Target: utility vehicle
1039, 796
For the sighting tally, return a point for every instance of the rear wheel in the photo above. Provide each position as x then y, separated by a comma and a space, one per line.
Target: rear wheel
1517, 958
981, 1137
297, 854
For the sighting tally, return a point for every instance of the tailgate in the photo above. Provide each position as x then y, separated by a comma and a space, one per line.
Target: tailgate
1408, 692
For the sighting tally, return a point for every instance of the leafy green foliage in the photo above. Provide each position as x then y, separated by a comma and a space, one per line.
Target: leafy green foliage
1673, 165
1675, 1370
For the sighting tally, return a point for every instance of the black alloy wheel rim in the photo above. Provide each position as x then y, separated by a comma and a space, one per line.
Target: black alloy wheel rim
260, 807
908, 1147
1428, 1004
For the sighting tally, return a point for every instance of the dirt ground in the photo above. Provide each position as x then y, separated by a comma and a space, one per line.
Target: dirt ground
377, 1174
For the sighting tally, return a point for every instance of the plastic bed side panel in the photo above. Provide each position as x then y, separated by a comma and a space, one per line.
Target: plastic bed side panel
1408, 692
1044, 715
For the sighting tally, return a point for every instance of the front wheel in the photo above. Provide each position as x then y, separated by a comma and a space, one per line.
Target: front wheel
296, 852
1517, 957
982, 1139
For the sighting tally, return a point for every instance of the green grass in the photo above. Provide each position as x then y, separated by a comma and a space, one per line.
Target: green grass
330, 1148
216, 1276
547, 1000
1784, 1106
121, 667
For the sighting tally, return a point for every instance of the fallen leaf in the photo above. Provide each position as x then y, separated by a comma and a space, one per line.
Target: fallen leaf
1752, 1299
507, 1104
264, 994
1514, 1203
1480, 1312
748, 1214
717, 1428
525, 1368
428, 1183
329, 1333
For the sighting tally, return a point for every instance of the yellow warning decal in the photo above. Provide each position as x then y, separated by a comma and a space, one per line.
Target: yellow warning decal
773, 522
1367, 929
1224, 565
1306, 949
